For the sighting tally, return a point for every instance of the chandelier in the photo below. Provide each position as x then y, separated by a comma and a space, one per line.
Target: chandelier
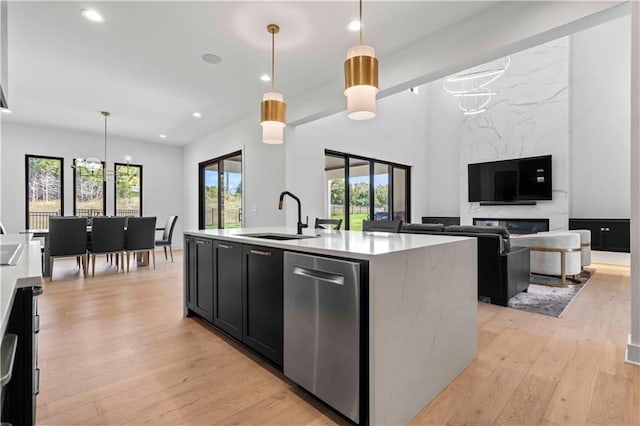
471, 86
93, 164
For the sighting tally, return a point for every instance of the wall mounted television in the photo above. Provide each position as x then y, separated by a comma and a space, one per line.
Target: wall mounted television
520, 179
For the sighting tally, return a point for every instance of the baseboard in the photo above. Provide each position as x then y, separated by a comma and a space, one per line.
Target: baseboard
632, 354
611, 258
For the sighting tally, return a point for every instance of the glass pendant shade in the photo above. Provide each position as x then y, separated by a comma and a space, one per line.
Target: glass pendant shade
273, 118
361, 82
92, 164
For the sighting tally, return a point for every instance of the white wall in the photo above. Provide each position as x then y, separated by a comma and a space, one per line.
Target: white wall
263, 172
161, 172
397, 134
600, 101
444, 131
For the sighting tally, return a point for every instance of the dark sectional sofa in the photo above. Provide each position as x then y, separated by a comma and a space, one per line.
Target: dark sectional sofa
503, 271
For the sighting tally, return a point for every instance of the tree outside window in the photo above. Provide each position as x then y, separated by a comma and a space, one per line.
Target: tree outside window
128, 189
44, 190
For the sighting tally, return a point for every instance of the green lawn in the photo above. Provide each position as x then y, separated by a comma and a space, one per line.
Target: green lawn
356, 220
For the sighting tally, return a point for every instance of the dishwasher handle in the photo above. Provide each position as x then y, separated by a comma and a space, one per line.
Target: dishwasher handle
319, 275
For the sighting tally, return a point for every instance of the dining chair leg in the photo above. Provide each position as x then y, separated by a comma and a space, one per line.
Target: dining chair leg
165, 252
122, 257
153, 256
51, 269
84, 265
128, 261
93, 265
171, 251
78, 261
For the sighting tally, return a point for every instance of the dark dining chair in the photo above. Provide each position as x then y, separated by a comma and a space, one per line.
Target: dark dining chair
140, 237
328, 223
381, 226
107, 237
67, 238
167, 235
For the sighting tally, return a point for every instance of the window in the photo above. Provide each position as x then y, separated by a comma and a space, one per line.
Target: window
127, 189
220, 198
44, 190
376, 190
88, 191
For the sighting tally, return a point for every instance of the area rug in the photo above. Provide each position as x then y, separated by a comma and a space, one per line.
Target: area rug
552, 301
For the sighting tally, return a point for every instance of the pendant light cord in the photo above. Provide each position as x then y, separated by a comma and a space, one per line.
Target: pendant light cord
104, 166
273, 60
361, 22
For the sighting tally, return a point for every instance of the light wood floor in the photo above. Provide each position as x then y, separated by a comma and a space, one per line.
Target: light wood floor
114, 349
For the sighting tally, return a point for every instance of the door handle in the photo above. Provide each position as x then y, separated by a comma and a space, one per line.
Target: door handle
319, 275
260, 252
202, 242
225, 246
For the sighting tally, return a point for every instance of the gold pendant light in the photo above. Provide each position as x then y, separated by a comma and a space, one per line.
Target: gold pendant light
361, 79
273, 110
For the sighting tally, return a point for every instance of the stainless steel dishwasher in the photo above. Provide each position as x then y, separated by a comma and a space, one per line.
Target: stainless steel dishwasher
322, 342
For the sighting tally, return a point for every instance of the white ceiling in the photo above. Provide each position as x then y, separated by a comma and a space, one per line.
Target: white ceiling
143, 63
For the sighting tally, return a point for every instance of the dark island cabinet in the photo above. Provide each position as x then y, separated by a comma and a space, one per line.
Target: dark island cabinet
262, 279
199, 284
227, 288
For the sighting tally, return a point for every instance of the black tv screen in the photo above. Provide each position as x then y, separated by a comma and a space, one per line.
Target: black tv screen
521, 179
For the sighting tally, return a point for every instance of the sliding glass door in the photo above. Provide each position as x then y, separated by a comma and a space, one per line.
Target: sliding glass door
221, 192
376, 189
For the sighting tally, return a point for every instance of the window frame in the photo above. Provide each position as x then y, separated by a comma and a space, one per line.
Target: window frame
201, 167
115, 185
372, 162
26, 183
104, 191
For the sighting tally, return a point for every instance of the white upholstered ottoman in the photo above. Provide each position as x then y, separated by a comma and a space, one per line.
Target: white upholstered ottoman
553, 253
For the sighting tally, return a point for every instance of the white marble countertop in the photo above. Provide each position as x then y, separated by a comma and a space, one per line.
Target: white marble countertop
354, 244
28, 271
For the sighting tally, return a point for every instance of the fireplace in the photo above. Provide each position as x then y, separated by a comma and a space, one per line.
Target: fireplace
515, 226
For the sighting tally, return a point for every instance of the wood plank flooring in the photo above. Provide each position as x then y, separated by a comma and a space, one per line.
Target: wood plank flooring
114, 349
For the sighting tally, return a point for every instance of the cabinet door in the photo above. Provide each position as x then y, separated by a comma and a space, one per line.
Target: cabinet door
263, 315
618, 236
227, 288
203, 271
188, 278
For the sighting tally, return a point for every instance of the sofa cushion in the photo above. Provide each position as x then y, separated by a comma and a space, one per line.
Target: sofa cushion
499, 230
417, 228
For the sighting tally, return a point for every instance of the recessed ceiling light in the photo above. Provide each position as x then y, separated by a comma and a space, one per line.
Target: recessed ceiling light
211, 58
6, 110
92, 15
265, 77
163, 136
197, 114
354, 25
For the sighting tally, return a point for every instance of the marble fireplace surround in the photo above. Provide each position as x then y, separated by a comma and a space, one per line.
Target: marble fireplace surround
515, 226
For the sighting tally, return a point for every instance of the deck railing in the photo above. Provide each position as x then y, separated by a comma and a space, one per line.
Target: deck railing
40, 220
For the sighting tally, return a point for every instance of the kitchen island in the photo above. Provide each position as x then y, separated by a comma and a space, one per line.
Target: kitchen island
418, 305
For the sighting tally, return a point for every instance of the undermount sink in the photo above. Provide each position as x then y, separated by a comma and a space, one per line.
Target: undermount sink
279, 237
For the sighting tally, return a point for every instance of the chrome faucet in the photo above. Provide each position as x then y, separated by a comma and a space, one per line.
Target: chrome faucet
300, 224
